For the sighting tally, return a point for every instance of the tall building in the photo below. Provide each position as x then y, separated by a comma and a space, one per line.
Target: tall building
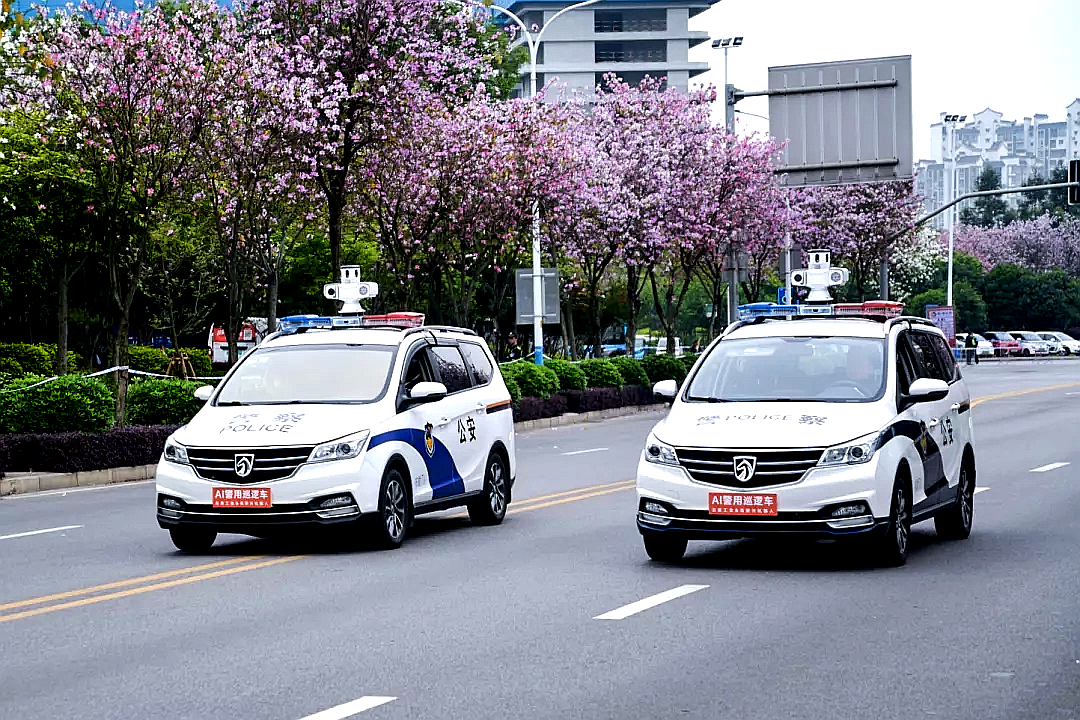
631, 38
1016, 150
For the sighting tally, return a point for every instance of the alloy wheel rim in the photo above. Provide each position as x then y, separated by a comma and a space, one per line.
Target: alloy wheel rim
901, 524
967, 497
395, 509
497, 497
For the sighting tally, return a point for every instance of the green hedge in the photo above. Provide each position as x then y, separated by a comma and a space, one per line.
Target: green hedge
10, 368
155, 401
571, 376
35, 359
631, 370
688, 361
513, 388
147, 359
534, 380
664, 367
601, 373
69, 403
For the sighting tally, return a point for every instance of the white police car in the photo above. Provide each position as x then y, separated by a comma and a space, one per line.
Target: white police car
325, 424
847, 424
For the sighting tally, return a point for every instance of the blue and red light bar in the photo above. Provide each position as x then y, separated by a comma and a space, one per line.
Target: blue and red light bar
870, 308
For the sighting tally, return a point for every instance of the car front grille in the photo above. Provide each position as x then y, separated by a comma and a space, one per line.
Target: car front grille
269, 463
772, 467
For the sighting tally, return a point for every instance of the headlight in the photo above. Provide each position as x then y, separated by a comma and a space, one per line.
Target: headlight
342, 449
852, 453
176, 453
658, 452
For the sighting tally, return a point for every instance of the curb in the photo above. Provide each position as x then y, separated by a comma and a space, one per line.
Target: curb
20, 483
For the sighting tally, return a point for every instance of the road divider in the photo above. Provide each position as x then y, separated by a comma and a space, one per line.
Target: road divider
1024, 391
136, 586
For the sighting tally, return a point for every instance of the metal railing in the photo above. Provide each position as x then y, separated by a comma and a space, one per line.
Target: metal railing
631, 56
617, 26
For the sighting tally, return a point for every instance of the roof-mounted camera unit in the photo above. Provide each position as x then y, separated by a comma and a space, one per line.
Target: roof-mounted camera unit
351, 290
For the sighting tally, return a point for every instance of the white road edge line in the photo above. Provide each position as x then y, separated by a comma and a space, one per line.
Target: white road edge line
50, 493
582, 452
351, 708
981, 489
1051, 466
650, 602
39, 532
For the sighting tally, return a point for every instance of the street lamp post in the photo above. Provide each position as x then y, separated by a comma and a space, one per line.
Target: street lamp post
950, 192
729, 108
534, 46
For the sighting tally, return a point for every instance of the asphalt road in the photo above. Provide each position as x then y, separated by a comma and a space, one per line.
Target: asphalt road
105, 620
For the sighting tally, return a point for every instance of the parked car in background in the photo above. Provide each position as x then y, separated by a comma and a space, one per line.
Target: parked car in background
1004, 343
1066, 345
1030, 343
985, 348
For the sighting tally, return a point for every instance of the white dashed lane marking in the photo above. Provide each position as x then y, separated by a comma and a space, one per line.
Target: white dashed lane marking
1048, 468
650, 602
351, 708
981, 489
583, 452
39, 532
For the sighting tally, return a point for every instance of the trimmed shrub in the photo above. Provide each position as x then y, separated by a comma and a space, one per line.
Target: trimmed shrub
636, 395
32, 359
534, 408
633, 373
513, 388
601, 399
663, 367
147, 359
534, 380
155, 401
80, 452
571, 377
66, 404
688, 363
601, 373
10, 368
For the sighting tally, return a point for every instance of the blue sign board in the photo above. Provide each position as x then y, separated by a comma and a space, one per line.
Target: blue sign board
781, 296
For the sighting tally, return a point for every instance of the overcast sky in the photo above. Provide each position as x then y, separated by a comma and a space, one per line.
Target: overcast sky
1019, 57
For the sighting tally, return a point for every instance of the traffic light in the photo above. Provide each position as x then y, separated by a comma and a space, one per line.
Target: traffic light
1074, 177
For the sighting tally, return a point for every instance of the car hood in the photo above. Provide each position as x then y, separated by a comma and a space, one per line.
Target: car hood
770, 425
275, 425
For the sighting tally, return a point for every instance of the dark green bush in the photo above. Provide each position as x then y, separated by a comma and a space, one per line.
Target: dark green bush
601, 373
571, 377
156, 401
147, 359
10, 368
534, 380
32, 359
631, 370
663, 367
199, 359
66, 404
513, 388
688, 361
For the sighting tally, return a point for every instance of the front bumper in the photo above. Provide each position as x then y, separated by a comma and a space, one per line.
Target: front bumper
249, 521
803, 507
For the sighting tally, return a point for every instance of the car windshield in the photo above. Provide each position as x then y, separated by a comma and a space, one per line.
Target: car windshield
980, 338
310, 374
784, 369
1028, 336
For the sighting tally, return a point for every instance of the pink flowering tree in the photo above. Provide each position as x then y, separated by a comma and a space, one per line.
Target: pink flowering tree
135, 88
1042, 244
858, 224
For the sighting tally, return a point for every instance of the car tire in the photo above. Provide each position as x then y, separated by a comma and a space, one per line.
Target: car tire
490, 507
1027, 353
955, 522
395, 510
192, 540
893, 547
664, 547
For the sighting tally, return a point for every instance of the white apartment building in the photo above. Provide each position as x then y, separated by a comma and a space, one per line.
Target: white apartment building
631, 38
1016, 150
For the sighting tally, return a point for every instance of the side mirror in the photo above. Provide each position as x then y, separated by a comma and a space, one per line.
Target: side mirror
425, 392
203, 392
927, 390
666, 389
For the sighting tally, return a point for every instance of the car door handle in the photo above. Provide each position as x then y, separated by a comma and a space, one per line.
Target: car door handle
443, 422
955, 407
934, 422
481, 407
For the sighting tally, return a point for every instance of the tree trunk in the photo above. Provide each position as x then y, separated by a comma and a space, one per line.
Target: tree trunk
335, 210
120, 358
62, 323
594, 310
272, 301
568, 327
632, 275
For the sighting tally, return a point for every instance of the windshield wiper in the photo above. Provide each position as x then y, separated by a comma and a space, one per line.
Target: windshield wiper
695, 398
231, 403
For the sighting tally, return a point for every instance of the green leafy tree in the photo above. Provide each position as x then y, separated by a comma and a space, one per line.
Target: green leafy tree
989, 211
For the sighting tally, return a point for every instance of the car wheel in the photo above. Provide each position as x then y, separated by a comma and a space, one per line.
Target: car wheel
955, 523
893, 548
490, 508
1027, 352
664, 547
394, 510
192, 540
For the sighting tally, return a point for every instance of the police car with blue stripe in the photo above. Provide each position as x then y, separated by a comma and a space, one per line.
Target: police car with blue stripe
821, 420
354, 421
